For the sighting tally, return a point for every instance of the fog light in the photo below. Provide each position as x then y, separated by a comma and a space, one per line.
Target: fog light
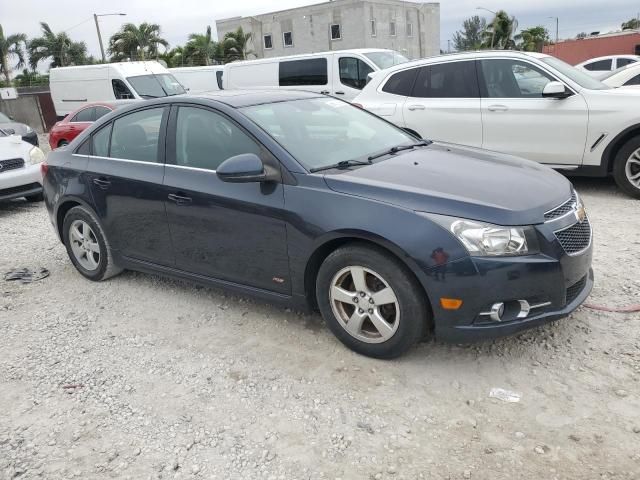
497, 311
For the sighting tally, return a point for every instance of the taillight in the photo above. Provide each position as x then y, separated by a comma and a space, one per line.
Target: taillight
44, 168
357, 105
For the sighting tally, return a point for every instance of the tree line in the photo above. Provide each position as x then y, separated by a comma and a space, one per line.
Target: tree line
500, 34
132, 42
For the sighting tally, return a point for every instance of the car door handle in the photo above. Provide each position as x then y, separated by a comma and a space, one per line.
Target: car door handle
416, 107
179, 199
339, 93
325, 92
498, 108
103, 183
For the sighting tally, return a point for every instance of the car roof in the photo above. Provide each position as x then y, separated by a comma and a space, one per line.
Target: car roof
307, 55
466, 56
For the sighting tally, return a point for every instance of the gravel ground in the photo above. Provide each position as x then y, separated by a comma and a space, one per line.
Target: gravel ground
143, 377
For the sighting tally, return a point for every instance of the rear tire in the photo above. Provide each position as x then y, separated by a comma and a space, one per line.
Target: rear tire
371, 301
87, 245
626, 168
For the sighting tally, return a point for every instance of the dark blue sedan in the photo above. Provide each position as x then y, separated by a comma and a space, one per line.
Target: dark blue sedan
306, 200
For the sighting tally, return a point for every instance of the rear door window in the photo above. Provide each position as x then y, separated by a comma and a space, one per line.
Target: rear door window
447, 80
312, 71
136, 135
599, 66
401, 83
85, 115
353, 72
623, 62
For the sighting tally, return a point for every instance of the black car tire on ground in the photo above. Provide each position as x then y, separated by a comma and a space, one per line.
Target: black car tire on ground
414, 317
106, 267
620, 164
38, 197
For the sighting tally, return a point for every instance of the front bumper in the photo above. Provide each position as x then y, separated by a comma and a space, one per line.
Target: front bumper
21, 182
553, 282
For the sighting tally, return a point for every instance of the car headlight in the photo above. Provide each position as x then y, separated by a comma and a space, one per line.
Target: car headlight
487, 240
29, 129
36, 155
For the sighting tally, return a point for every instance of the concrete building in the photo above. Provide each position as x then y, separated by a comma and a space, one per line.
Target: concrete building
412, 28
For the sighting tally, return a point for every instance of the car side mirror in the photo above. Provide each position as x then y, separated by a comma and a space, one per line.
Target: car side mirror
243, 168
555, 90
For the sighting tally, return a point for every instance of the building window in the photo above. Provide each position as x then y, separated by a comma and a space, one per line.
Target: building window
335, 32
268, 42
373, 28
392, 29
287, 38
409, 29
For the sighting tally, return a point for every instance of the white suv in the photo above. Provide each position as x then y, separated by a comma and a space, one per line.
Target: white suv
526, 104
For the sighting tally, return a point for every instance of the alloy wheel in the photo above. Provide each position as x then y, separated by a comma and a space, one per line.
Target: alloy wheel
364, 304
632, 169
84, 245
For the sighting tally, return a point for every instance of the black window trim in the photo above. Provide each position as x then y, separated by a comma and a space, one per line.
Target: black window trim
161, 137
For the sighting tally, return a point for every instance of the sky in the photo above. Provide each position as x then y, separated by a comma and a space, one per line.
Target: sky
178, 18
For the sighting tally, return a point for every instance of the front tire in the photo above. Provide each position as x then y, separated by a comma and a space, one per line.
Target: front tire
626, 168
87, 245
371, 301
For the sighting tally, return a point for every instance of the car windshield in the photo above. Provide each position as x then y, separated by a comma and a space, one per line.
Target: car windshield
386, 59
158, 85
4, 118
583, 79
322, 131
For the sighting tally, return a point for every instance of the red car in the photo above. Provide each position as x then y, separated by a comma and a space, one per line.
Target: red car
76, 122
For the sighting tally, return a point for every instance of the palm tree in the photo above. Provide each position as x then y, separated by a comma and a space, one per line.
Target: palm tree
236, 45
11, 45
173, 58
532, 39
135, 42
499, 33
202, 50
58, 47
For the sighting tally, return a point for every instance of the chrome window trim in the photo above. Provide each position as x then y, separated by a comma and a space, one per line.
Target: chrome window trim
186, 167
119, 159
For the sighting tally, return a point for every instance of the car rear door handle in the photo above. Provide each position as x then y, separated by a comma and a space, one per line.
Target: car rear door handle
498, 108
416, 107
179, 199
101, 182
339, 93
325, 92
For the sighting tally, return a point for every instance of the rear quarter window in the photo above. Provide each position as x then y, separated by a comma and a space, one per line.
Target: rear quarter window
401, 83
312, 71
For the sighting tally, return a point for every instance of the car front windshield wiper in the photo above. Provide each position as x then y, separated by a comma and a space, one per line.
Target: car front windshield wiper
146, 95
400, 148
343, 164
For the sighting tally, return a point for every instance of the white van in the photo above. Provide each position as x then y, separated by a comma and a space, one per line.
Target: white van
342, 73
199, 79
72, 87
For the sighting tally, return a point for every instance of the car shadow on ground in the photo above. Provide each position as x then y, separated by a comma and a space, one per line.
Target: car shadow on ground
16, 207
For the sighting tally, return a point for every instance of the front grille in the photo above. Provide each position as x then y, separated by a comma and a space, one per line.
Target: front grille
574, 290
575, 238
563, 209
11, 164
21, 188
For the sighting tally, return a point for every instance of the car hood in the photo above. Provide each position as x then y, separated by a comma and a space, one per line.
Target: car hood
13, 147
459, 181
15, 127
